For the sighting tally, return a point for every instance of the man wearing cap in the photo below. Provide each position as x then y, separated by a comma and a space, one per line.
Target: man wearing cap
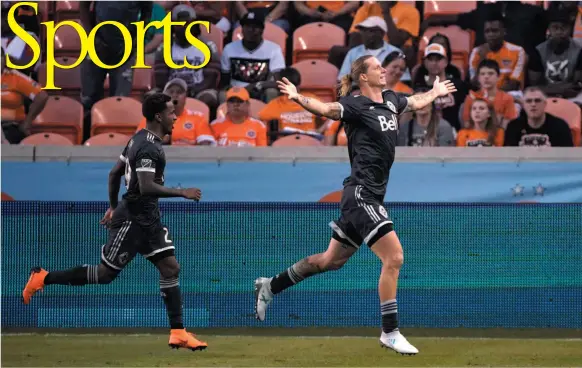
252, 61
191, 128
373, 29
202, 83
556, 64
435, 61
237, 128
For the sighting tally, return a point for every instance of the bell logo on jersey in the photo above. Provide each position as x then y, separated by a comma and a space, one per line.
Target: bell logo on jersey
386, 124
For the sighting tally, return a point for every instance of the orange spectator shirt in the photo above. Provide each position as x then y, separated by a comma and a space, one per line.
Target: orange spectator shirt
251, 132
502, 103
475, 138
15, 87
406, 17
511, 59
328, 5
191, 128
402, 88
578, 25
289, 114
331, 130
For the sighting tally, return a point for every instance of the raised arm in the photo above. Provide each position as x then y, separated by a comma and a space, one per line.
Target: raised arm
420, 100
332, 110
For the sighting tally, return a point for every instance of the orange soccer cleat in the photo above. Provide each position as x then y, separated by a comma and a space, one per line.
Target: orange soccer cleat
34, 284
179, 338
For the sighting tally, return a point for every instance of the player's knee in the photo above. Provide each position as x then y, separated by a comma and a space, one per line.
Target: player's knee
394, 261
106, 275
170, 270
330, 264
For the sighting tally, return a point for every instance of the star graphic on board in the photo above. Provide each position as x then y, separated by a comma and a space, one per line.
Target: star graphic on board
518, 190
539, 190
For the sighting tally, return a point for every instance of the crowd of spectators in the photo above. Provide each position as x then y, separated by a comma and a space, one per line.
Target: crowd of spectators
525, 56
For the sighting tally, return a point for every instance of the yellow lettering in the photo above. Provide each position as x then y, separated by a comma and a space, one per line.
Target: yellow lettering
198, 44
27, 38
126, 45
141, 31
167, 24
51, 63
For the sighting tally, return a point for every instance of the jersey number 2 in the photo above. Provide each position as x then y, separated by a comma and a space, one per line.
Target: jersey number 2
167, 236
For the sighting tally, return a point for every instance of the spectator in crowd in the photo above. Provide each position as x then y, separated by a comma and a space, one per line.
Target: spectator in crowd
402, 20
252, 61
335, 12
202, 83
510, 57
527, 27
556, 64
15, 47
272, 11
217, 13
536, 127
109, 47
237, 128
335, 134
503, 104
395, 66
435, 61
288, 116
16, 87
482, 129
373, 30
426, 128
451, 71
570, 8
191, 128
154, 37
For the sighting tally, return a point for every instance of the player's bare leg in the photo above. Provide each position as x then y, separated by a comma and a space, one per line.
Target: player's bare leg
170, 291
76, 276
389, 250
336, 255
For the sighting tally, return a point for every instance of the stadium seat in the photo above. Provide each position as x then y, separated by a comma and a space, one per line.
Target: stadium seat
142, 82
117, 115
66, 10
318, 77
46, 139
296, 140
62, 115
461, 41
272, 33
333, 197
216, 35
256, 107
448, 7
67, 79
108, 139
67, 41
569, 112
308, 43
193, 104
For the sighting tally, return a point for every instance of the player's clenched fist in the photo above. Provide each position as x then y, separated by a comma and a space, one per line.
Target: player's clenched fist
192, 193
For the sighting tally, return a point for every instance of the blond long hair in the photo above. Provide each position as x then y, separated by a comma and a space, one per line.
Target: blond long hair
358, 68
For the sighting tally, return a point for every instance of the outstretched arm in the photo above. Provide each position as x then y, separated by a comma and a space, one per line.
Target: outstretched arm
332, 110
420, 100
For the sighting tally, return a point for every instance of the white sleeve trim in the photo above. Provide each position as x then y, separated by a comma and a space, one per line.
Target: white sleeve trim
123, 158
147, 169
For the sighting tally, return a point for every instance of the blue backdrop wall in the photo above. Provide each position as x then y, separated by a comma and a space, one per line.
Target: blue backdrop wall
466, 265
308, 182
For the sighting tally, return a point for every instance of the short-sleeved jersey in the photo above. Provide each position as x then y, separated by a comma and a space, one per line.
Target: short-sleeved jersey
372, 131
143, 152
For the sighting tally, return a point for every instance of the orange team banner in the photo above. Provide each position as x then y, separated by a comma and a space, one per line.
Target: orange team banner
88, 44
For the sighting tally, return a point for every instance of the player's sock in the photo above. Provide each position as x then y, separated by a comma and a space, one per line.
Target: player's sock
80, 275
170, 291
293, 275
389, 310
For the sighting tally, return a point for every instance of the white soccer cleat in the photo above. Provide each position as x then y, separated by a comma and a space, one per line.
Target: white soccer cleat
263, 296
397, 342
